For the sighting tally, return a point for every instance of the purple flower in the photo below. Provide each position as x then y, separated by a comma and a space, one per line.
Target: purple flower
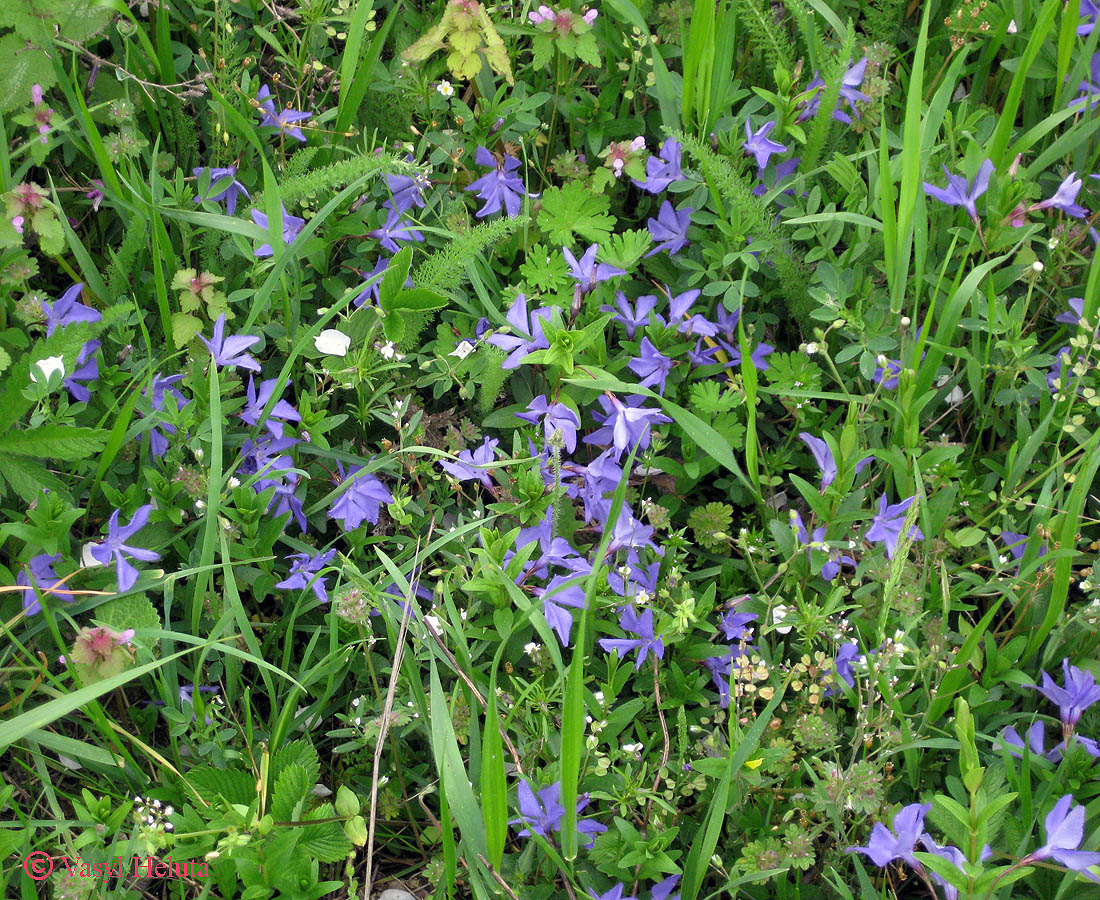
887, 524
625, 424
292, 225
670, 229
1065, 199
587, 272
395, 229
557, 595
959, 192
530, 326
1089, 14
1078, 694
758, 357
158, 442
114, 547
361, 501
406, 191
1036, 741
1057, 369
303, 573
631, 318
543, 814
500, 186
95, 193
823, 456
885, 845
850, 92
616, 893
86, 369
373, 283
662, 889
630, 532
1090, 88
226, 179
953, 855
845, 656
1075, 314
781, 173
733, 625
678, 314
651, 366
257, 400
67, 310
662, 170
641, 626
1065, 828
43, 579
463, 469
760, 145
282, 121
600, 476
1017, 544
229, 351
555, 418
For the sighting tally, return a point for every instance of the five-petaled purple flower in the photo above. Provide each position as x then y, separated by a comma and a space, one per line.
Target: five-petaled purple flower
68, 309
1080, 691
555, 597
632, 318
283, 121
625, 424
229, 351
395, 229
406, 191
651, 366
501, 186
646, 641
885, 845
114, 547
960, 192
1065, 199
663, 169
529, 326
556, 418
292, 225
760, 145
158, 390
542, 814
823, 456
616, 893
463, 469
44, 579
303, 573
362, 499
257, 400
226, 179
86, 369
669, 229
888, 522
1065, 828
587, 272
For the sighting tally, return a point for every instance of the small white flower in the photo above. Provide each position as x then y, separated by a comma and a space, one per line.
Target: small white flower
1012, 27
87, 561
332, 342
811, 348
1037, 267
234, 482
464, 349
389, 350
434, 622
48, 366
906, 321
531, 649
779, 614
956, 396
445, 89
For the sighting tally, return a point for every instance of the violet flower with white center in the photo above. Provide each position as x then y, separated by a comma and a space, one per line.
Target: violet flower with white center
543, 814
1065, 829
646, 641
1065, 199
226, 179
555, 417
529, 326
395, 229
759, 145
960, 192
733, 625
257, 400
304, 573
651, 366
631, 318
291, 226
587, 272
463, 469
406, 191
86, 369
43, 580
1080, 691
229, 351
501, 186
885, 845
1075, 314
888, 522
625, 424
663, 169
850, 92
669, 229
114, 547
68, 309
823, 456
555, 597
362, 500
678, 314
283, 122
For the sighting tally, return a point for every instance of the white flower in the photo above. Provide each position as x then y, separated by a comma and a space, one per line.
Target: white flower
811, 348
1012, 27
779, 614
464, 349
48, 366
1036, 267
445, 89
434, 622
332, 342
956, 396
87, 561
389, 350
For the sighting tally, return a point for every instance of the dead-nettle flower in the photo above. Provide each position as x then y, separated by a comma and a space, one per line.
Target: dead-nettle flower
619, 155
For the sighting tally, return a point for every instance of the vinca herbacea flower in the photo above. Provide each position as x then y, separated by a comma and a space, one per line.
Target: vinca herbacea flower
229, 351
1076, 312
885, 845
680, 316
759, 145
651, 366
616, 893
888, 522
586, 271
1078, 693
823, 456
115, 547
226, 179
68, 309
960, 192
527, 325
362, 500
631, 318
395, 229
283, 122
158, 390
292, 225
543, 814
464, 468
669, 229
41, 581
842, 665
501, 186
643, 627
1065, 829
1065, 199
86, 369
1036, 742
303, 573
556, 418
663, 169
625, 424
557, 595
257, 400
1090, 87
406, 191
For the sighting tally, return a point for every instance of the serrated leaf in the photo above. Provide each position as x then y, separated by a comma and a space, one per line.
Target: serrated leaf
301, 752
234, 785
54, 442
573, 209
22, 67
5, 360
327, 842
624, 249
132, 611
292, 792
51, 236
184, 327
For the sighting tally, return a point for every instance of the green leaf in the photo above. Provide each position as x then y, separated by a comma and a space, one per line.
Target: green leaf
184, 327
291, 794
418, 300
397, 273
394, 327
300, 752
22, 67
234, 785
54, 442
326, 843
574, 209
